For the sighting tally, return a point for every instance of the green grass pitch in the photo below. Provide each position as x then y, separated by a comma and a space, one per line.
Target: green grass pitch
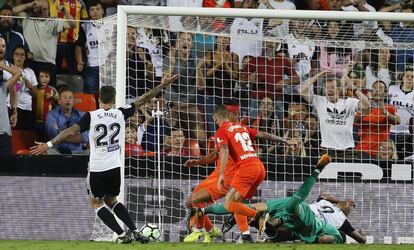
85, 245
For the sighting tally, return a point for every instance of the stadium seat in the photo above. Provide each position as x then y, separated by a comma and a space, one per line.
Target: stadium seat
22, 140
74, 82
23, 152
193, 147
85, 102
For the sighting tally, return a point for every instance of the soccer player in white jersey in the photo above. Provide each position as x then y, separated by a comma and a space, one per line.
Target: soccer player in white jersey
106, 131
335, 212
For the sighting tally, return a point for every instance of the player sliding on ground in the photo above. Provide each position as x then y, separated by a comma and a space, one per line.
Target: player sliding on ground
327, 208
293, 213
335, 212
106, 130
208, 191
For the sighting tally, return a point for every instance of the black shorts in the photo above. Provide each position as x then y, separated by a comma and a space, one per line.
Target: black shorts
104, 183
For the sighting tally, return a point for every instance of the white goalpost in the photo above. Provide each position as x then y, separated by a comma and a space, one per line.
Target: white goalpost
155, 186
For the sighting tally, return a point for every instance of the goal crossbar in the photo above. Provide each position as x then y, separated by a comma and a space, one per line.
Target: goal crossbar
265, 13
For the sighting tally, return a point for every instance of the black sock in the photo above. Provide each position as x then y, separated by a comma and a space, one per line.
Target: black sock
109, 219
122, 213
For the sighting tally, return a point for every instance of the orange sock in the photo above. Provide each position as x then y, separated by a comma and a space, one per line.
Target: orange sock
239, 208
207, 223
199, 222
241, 221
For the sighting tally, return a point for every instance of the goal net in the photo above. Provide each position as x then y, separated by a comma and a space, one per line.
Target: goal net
357, 107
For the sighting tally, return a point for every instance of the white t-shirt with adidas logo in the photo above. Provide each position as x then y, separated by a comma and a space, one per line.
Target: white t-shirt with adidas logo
336, 121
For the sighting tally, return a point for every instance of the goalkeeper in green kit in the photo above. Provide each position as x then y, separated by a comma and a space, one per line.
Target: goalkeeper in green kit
292, 213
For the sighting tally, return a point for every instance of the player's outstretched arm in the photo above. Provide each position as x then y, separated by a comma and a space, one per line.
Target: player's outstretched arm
271, 137
208, 159
41, 147
358, 236
147, 96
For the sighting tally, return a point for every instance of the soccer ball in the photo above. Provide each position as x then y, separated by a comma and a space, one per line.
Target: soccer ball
151, 230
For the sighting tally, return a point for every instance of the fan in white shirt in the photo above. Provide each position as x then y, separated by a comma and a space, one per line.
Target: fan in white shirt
26, 89
360, 5
336, 115
246, 34
300, 49
402, 97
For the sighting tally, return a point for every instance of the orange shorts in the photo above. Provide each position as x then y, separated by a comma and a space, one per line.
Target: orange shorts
210, 185
248, 178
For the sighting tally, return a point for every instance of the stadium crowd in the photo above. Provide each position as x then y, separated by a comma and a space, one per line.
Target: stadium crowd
353, 103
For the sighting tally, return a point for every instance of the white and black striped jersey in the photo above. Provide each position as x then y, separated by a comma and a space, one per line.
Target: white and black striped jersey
106, 135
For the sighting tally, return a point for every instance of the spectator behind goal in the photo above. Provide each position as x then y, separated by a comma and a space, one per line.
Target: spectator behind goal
61, 118
76, 10
46, 99
336, 115
176, 142
42, 34
375, 126
132, 147
12, 37
402, 97
87, 47
5, 88
26, 89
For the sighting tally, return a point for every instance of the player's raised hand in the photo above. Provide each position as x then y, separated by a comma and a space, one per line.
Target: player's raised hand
293, 142
39, 148
167, 79
350, 202
190, 163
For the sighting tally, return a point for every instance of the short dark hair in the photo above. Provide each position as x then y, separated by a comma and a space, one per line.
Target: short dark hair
107, 94
383, 83
44, 70
93, 3
6, 7
221, 111
62, 88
